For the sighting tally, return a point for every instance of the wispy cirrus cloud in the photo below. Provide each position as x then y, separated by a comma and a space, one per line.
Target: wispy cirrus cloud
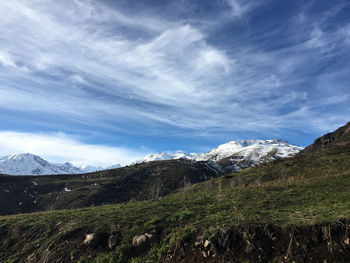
158, 70
6, 60
107, 67
240, 8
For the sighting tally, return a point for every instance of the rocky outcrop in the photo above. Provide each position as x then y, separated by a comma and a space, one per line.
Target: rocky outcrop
331, 141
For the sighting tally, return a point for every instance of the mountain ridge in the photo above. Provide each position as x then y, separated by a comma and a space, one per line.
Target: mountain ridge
31, 164
233, 155
339, 138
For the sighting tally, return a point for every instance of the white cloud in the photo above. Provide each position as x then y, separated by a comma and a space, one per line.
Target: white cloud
316, 38
156, 70
6, 60
344, 32
78, 79
239, 8
60, 147
211, 58
143, 68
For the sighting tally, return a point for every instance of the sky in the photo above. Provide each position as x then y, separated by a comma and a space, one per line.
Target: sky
106, 82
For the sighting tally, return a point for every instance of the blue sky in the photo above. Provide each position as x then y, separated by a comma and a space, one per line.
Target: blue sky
104, 82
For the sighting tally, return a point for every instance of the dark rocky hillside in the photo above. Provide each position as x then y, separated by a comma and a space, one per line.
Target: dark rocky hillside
337, 140
23, 194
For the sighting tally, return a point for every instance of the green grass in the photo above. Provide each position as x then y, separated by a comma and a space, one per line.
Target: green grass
305, 190
180, 215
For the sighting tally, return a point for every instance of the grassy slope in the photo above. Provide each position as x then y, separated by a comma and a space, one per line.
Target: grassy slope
308, 189
299, 191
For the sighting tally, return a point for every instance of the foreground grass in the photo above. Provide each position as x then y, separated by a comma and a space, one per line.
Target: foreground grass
200, 208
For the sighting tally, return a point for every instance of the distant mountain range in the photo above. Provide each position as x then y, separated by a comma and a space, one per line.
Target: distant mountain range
30, 164
234, 155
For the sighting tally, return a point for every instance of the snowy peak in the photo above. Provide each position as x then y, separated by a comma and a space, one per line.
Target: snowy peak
68, 168
22, 157
157, 157
252, 149
26, 164
236, 155
167, 156
30, 164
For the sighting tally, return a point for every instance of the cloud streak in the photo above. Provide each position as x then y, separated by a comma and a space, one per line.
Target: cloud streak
105, 67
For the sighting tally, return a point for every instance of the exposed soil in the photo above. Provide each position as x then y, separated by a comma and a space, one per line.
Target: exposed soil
317, 243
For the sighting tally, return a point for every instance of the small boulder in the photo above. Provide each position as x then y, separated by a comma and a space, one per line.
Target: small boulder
89, 239
95, 240
114, 240
143, 242
198, 241
347, 241
138, 241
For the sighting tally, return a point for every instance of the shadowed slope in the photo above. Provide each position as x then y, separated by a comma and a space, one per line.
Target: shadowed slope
23, 194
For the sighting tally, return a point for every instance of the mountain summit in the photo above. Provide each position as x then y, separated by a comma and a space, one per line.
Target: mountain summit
30, 164
235, 155
27, 163
338, 139
255, 150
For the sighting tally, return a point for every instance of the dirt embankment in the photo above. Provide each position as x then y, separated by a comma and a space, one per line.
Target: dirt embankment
317, 243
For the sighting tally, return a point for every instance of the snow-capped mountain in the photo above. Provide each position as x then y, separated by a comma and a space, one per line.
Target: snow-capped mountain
236, 154
107, 168
68, 168
30, 164
167, 156
252, 149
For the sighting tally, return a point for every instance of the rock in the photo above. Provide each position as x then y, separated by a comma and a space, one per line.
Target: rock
198, 241
138, 241
89, 239
143, 242
95, 240
114, 240
206, 243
